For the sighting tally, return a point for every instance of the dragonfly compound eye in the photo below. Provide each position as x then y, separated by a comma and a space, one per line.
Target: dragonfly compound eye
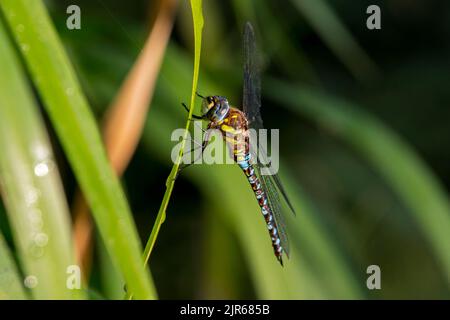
207, 104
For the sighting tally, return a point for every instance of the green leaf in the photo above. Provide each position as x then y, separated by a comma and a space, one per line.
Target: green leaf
10, 285
111, 279
31, 186
75, 126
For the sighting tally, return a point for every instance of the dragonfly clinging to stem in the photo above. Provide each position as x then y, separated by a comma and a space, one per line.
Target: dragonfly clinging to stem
234, 125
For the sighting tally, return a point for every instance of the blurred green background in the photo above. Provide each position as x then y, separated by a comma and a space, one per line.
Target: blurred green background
364, 142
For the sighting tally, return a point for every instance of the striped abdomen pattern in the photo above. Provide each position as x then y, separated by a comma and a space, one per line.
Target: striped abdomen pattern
235, 132
261, 196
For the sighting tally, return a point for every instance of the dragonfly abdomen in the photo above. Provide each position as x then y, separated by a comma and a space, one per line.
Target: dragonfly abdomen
261, 197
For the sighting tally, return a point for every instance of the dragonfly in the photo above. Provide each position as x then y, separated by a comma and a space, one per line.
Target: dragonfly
234, 124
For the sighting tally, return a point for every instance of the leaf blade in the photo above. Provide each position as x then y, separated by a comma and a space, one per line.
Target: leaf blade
69, 112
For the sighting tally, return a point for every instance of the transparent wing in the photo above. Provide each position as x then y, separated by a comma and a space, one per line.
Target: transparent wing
275, 206
259, 158
277, 181
272, 186
252, 93
252, 109
251, 102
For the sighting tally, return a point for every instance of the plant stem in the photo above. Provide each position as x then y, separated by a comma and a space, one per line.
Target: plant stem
197, 16
76, 128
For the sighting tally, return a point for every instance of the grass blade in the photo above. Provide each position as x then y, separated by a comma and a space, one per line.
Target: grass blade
10, 285
197, 16
69, 112
125, 118
31, 186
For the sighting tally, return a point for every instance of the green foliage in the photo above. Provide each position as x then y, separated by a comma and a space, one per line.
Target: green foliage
10, 285
69, 112
197, 17
31, 189
365, 173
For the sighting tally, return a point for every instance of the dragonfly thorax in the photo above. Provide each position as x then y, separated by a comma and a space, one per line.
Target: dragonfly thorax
215, 108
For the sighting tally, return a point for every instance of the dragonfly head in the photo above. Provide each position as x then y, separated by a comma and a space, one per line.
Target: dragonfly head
215, 107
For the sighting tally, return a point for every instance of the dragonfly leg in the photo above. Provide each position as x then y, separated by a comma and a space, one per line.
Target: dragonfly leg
198, 146
184, 166
199, 95
193, 116
280, 259
193, 149
200, 127
203, 146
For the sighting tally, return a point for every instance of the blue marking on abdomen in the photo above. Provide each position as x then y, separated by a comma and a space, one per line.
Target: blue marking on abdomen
244, 164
